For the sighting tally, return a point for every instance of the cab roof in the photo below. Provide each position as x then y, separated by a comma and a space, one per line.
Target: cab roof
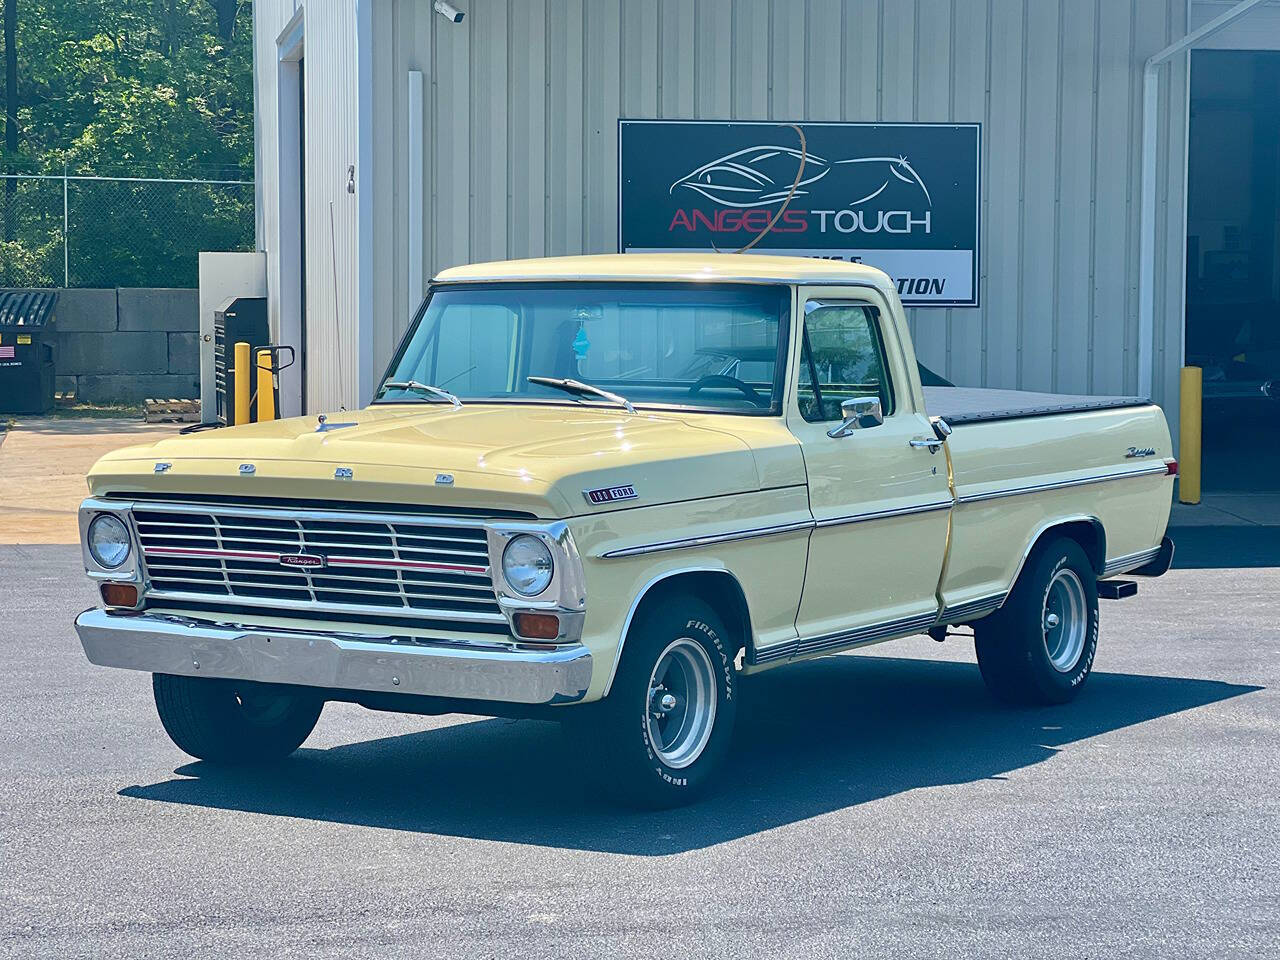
750, 267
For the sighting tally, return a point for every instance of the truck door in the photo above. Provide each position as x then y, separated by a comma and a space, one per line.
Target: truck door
881, 502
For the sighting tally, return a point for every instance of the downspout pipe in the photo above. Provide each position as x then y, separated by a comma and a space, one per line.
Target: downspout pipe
1147, 240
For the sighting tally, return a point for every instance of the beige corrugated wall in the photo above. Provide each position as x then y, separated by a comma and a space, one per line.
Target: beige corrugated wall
524, 96
520, 113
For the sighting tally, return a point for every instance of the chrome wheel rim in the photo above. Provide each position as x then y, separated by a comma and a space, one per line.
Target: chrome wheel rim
1065, 620
682, 703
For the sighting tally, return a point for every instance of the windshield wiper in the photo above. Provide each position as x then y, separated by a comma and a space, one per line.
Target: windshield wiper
426, 388
577, 386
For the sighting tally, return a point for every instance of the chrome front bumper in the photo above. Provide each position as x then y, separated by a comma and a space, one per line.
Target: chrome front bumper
196, 648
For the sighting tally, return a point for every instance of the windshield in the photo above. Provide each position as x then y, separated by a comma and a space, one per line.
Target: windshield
713, 347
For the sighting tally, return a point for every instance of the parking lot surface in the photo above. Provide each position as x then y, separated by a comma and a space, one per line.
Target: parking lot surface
877, 805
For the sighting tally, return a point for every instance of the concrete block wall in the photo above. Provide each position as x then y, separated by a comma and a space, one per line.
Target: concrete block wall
129, 344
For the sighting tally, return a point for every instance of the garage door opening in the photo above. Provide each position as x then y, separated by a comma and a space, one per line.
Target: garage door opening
1233, 262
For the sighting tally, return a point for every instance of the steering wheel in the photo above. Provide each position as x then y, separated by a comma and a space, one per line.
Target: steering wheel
724, 380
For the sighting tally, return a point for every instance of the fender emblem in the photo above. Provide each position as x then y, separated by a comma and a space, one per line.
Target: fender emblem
307, 561
1139, 452
623, 491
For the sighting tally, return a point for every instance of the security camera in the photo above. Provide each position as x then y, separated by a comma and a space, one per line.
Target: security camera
448, 11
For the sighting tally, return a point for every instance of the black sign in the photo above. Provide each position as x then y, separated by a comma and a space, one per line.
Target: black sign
899, 196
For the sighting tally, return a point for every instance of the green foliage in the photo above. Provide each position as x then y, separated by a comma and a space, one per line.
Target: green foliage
129, 88
137, 87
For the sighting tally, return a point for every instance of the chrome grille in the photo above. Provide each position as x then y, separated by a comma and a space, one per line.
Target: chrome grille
435, 568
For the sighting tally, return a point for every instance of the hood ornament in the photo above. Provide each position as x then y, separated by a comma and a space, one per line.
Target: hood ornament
324, 426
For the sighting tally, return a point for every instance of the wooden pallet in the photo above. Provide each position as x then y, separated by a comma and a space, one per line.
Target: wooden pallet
171, 411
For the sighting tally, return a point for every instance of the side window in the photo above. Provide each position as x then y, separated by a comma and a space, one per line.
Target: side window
841, 357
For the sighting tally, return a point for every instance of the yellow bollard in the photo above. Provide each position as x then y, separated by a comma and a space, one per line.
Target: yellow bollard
266, 387
1189, 435
242, 383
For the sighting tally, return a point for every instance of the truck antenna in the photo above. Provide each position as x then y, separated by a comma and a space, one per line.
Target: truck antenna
337, 324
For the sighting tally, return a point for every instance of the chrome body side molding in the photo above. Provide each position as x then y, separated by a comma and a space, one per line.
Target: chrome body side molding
707, 540
859, 635
772, 530
886, 514
1146, 471
972, 609
845, 639
1130, 562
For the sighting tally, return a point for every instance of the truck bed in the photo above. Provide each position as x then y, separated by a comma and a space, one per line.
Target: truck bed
961, 405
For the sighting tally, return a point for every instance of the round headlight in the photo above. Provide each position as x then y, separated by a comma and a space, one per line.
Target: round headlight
108, 541
527, 565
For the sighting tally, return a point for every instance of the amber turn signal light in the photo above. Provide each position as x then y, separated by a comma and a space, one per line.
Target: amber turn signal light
119, 594
537, 626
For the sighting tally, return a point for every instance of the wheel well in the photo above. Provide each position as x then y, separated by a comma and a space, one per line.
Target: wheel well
718, 588
1086, 532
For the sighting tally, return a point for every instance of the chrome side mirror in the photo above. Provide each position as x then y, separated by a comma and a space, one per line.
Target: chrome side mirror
859, 413
941, 429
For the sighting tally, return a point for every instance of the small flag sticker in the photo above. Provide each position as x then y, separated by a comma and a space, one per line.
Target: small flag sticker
6, 353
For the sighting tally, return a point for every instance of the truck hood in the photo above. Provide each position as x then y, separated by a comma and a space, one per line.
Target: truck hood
532, 459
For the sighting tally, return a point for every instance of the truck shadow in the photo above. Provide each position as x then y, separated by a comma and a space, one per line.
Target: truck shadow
812, 739
1208, 547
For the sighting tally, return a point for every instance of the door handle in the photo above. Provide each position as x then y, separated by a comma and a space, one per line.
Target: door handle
932, 444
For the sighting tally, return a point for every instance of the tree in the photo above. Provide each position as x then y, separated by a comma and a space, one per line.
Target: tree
143, 88
10, 107
163, 84
226, 11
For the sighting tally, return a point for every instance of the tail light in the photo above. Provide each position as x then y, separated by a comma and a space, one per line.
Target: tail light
1171, 467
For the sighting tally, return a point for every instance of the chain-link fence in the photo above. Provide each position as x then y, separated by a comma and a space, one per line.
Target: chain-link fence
79, 231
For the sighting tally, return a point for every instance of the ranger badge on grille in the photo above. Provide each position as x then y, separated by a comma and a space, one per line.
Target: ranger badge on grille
309, 561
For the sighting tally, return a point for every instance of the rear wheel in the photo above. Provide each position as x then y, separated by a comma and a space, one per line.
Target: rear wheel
1039, 647
660, 736
234, 722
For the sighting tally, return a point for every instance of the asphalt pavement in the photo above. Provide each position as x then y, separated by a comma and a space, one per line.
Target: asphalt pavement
876, 805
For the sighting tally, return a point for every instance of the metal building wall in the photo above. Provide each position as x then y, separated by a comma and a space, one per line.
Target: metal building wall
519, 158
333, 261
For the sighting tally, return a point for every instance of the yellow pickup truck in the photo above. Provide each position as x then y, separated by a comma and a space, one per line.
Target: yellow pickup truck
604, 490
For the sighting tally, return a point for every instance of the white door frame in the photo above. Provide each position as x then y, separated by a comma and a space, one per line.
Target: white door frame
289, 163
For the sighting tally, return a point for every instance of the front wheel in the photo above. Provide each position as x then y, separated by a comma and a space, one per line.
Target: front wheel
234, 722
660, 736
1039, 647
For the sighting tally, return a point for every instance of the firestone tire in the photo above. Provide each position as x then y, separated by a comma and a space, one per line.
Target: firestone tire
1039, 647
233, 723
660, 737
